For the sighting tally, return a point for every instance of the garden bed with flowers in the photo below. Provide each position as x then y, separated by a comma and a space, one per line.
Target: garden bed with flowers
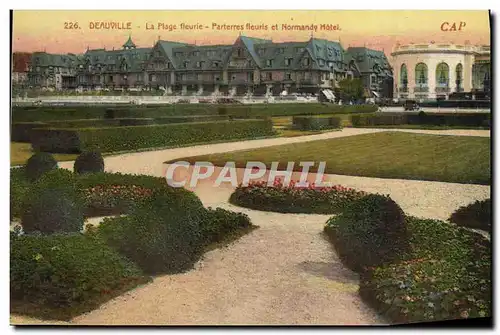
293, 198
444, 274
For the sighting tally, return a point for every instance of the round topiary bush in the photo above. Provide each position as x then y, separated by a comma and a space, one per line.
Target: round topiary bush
370, 231
38, 164
53, 204
162, 235
89, 162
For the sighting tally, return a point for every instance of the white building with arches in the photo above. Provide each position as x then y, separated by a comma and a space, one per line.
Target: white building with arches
434, 70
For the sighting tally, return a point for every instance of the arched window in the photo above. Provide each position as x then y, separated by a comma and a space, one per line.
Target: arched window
442, 74
404, 75
458, 74
421, 77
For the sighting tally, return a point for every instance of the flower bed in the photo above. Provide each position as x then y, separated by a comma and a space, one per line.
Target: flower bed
293, 198
105, 200
446, 274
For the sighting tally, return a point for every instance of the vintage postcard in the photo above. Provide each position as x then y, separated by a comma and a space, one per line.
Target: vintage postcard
250, 168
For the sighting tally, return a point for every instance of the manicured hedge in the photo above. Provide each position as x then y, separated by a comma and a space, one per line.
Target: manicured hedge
137, 137
315, 123
21, 131
45, 113
30, 114
476, 215
446, 276
369, 231
431, 119
62, 276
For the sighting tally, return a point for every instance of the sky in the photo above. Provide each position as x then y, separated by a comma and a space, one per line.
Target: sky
55, 31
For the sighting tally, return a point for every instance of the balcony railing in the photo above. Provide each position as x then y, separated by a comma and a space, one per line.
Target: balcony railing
442, 89
308, 81
421, 89
240, 81
403, 89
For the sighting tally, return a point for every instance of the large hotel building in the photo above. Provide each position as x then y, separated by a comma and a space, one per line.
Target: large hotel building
259, 67
249, 65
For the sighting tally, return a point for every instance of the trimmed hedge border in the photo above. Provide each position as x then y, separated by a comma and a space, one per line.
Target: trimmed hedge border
136, 137
30, 114
435, 119
315, 123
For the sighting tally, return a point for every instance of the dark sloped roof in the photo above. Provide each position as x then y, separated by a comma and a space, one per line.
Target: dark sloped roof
369, 60
208, 54
167, 47
129, 43
250, 43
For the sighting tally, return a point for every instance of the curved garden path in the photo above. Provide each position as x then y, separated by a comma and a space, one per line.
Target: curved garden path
285, 272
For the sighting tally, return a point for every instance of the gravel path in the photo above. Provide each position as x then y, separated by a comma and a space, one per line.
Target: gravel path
285, 272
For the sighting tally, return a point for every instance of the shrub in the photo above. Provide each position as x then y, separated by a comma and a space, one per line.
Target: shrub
89, 162
219, 224
294, 199
476, 215
369, 232
19, 186
421, 118
447, 275
137, 137
315, 123
53, 204
21, 131
61, 276
38, 164
110, 114
162, 235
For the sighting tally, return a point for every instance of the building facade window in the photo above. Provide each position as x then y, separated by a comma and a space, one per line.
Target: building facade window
458, 75
404, 76
421, 76
288, 76
288, 61
442, 74
269, 76
306, 62
269, 62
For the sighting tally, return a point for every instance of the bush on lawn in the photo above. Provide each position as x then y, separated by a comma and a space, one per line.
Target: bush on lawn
38, 164
19, 186
53, 204
294, 199
370, 231
219, 224
61, 276
447, 275
476, 215
162, 235
315, 123
110, 139
89, 162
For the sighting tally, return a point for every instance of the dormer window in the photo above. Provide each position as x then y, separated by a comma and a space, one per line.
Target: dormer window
240, 52
185, 64
281, 51
306, 62
288, 61
269, 62
321, 62
261, 51
215, 64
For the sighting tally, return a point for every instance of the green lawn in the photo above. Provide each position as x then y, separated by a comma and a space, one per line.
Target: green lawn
458, 159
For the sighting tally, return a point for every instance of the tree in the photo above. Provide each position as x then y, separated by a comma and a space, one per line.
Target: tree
351, 89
